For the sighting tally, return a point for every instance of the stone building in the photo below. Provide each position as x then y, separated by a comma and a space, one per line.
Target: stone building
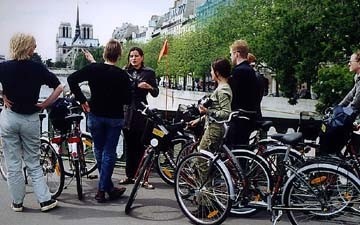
68, 46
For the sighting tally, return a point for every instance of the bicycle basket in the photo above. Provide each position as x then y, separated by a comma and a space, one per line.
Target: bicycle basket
58, 111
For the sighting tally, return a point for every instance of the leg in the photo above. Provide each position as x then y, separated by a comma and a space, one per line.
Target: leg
30, 131
113, 130
12, 153
97, 130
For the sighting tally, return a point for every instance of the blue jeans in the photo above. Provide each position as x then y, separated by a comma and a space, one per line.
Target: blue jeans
105, 133
21, 142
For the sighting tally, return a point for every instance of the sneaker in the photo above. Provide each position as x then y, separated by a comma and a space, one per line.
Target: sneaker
48, 205
100, 197
116, 193
17, 207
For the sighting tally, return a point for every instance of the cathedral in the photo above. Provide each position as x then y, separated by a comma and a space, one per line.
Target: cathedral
68, 47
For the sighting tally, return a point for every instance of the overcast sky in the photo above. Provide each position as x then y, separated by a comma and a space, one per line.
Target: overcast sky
42, 18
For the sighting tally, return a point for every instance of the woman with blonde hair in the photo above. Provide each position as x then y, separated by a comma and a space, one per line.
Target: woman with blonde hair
21, 80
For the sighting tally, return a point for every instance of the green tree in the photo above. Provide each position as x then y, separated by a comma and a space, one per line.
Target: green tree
81, 61
333, 83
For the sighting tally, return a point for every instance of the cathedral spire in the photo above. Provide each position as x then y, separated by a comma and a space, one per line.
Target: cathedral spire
77, 29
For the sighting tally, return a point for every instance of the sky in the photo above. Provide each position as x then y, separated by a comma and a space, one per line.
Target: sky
42, 18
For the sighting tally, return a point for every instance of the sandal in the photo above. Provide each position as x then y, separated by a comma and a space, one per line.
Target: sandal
147, 185
127, 181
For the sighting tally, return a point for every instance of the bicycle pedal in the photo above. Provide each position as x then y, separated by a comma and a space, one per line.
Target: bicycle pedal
92, 177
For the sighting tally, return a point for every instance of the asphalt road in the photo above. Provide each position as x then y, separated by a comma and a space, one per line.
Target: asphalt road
151, 207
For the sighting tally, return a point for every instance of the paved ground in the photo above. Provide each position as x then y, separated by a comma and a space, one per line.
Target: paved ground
152, 207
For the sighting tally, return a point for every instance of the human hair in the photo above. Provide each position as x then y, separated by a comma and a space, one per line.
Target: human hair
222, 66
112, 51
357, 53
240, 46
20, 46
141, 53
251, 58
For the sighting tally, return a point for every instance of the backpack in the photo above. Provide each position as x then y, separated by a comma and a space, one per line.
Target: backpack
58, 111
336, 129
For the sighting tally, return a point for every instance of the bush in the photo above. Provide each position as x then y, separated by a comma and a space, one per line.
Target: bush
333, 83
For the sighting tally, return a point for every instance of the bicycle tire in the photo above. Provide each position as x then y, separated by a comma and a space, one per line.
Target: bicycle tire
143, 167
90, 161
257, 174
188, 148
202, 200
325, 192
77, 174
275, 157
166, 161
53, 168
3, 168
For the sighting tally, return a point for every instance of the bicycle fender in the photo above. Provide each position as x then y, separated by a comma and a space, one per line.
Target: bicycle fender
226, 171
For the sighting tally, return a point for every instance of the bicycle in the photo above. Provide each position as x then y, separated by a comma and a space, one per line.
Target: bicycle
316, 200
201, 200
68, 141
160, 136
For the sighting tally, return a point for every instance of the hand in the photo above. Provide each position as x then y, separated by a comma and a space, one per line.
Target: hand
202, 109
89, 57
85, 106
7, 102
193, 123
145, 85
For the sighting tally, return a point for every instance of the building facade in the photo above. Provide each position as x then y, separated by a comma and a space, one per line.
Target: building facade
68, 46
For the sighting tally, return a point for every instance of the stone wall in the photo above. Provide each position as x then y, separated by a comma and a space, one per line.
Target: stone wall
271, 106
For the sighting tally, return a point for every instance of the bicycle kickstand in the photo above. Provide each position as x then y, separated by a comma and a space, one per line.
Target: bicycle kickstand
276, 217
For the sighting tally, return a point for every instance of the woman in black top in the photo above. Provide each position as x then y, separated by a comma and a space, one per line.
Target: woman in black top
21, 80
143, 82
110, 91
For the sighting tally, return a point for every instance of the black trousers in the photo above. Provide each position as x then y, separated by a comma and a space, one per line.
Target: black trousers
239, 132
134, 150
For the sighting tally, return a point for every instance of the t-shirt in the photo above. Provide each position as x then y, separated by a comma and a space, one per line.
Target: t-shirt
22, 80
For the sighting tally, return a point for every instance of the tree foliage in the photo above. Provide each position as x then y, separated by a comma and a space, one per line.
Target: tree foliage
291, 37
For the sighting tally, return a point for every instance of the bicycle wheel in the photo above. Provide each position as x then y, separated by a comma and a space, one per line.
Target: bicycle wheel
89, 155
203, 189
166, 161
53, 168
144, 166
3, 168
189, 147
322, 193
77, 174
252, 196
275, 157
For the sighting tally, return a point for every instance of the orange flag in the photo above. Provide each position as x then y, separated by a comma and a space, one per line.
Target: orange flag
164, 49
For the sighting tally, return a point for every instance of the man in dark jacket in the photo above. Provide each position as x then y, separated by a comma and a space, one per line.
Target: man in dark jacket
245, 90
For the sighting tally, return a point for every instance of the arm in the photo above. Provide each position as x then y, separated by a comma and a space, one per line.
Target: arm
223, 110
53, 96
150, 83
76, 78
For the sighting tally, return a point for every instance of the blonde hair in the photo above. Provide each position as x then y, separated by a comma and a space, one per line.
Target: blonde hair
20, 45
240, 46
112, 51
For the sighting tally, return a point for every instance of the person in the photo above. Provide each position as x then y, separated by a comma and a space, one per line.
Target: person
335, 136
219, 109
260, 83
143, 82
21, 80
353, 97
110, 91
245, 89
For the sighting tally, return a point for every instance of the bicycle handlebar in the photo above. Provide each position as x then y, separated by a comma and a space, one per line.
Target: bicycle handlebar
239, 113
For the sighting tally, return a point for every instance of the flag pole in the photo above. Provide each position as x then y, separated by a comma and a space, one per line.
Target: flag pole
164, 51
